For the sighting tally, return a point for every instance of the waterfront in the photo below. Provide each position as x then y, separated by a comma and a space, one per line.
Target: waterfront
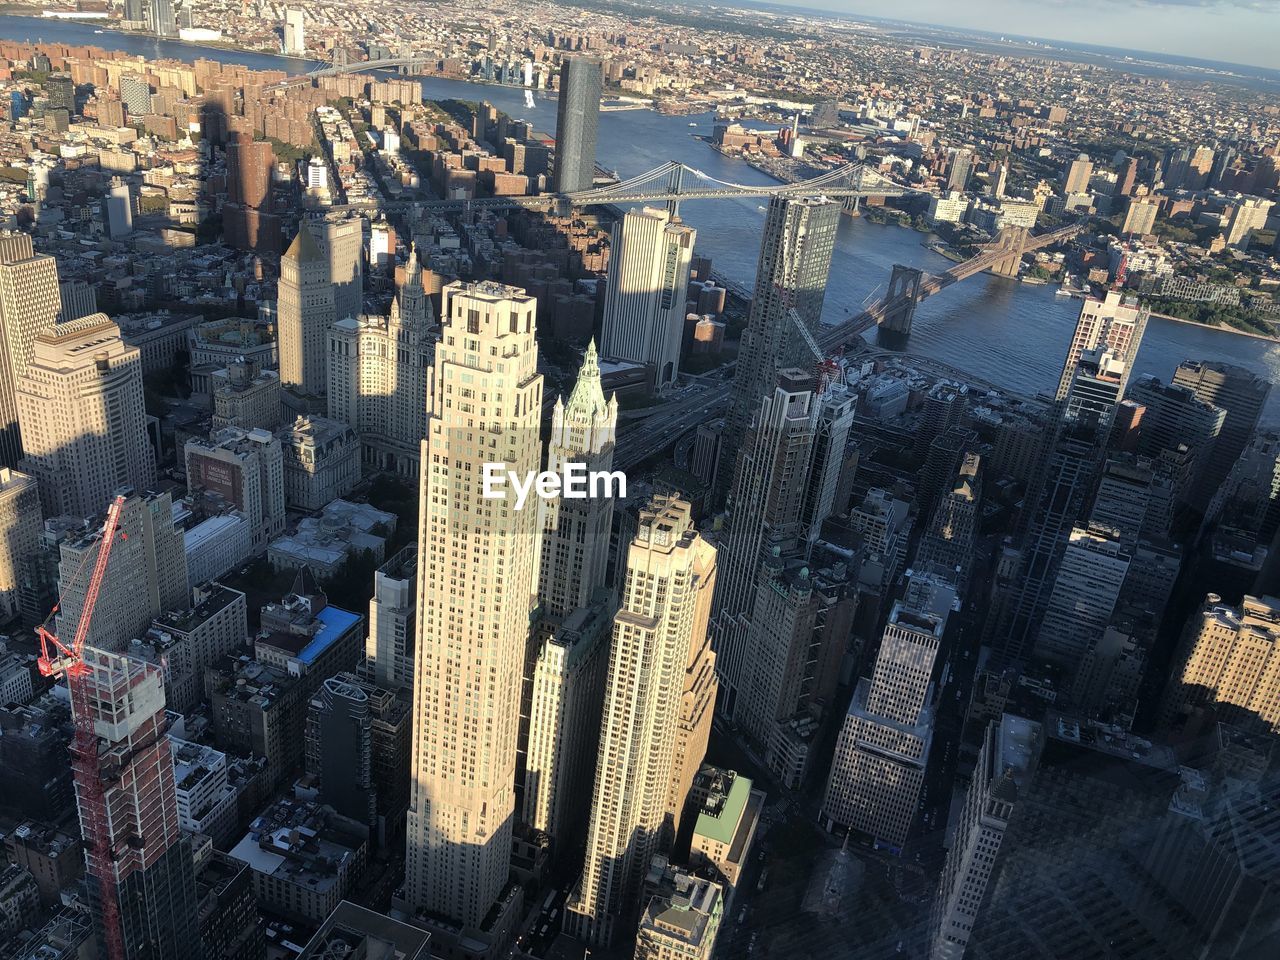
1000, 330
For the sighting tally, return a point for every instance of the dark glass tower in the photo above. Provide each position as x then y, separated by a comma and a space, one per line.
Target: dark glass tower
577, 121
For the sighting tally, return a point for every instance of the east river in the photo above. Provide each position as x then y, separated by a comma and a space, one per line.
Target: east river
1002, 331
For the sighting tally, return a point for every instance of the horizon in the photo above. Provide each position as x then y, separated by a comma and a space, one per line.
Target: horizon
1024, 19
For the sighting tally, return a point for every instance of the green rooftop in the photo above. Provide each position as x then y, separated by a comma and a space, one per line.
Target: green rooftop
719, 821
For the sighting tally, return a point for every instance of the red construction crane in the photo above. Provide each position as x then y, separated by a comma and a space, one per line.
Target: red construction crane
56, 658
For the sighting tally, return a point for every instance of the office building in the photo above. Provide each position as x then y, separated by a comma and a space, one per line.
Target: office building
477, 582
306, 309
1077, 176
1176, 418
766, 513
1091, 573
150, 862
791, 275
1229, 663
1241, 393
883, 745
670, 576
230, 925
295, 39
575, 533
378, 376
20, 526
577, 123
321, 461
354, 931
949, 541
207, 799
84, 425
1248, 216
681, 920
340, 240
1010, 749
644, 307
53, 857
390, 648
163, 22
246, 396
147, 571
34, 774
728, 809
30, 301
216, 624
240, 470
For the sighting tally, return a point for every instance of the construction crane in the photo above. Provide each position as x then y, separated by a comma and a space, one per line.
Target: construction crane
60, 659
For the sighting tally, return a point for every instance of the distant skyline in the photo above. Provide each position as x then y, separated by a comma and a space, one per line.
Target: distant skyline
1233, 31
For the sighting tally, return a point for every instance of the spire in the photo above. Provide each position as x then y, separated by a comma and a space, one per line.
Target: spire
304, 248
413, 269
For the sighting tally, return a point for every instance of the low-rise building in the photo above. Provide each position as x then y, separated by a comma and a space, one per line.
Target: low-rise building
681, 920
321, 461
323, 543
728, 810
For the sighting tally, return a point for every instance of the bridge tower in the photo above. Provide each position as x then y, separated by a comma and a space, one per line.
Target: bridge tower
902, 296
1014, 240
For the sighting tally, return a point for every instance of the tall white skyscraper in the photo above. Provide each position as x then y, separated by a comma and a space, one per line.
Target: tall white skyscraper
883, 746
477, 579
378, 376
1090, 576
341, 241
1005, 765
83, 422
645, 296
295, 40
1110, 324
669, 579
305, 310
30, 300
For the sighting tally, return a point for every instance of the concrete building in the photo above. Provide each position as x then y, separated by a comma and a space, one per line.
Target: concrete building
352, 930
340, 240
883, 745
147, 572
321, 461
1077, 175
949, 541
1090, 576
242, 471
1010, 749
1248, 215
152, 867
665, 608
464, 759
208, 803
390, 649
306, 308
230, 925
1140, 217
256, 710
324, 543
644, 306
20, 526
682, 920
83, 422
295, 38
246, 396
577, 123
1229, 663
30, 302
34, 774
15, 677
728, 809
378, 376
1241, 393
54, 858
304, 858
215, 626
1110, 323
1175, 418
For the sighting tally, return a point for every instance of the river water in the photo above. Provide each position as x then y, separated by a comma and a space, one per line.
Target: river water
1002, 331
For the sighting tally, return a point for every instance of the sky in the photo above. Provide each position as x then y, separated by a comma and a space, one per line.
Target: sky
1234, 31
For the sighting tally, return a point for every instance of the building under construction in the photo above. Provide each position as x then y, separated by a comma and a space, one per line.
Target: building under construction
125, 794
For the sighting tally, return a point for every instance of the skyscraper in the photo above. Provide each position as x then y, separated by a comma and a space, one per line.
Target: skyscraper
30, 301
1006, 762
295, 40
378, 375
305, 308
1086, 586
247, 218
791, 275
669, 578
1242, 393
644, 305
477, 577
577, 121
147, 572
341, 242
949, 541
132, 776
390, 648
1113, 323
163, 22
1229, 661
570, 657
19, 541
883, 746
82, 416
961, 169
